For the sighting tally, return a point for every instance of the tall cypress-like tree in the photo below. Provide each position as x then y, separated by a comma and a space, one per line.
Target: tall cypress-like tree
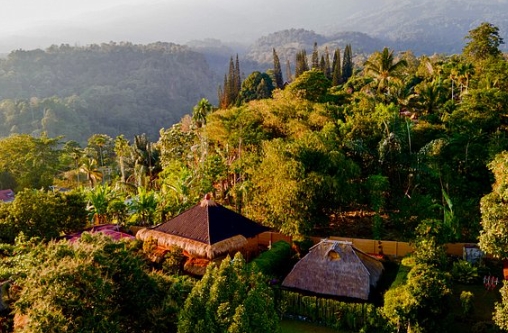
233, 297
289, 74
223, 95
228, 95
277, 71
322, 65
347, 63
336, 69
230, 83
328, 71
237, 79
301, 63
315, 57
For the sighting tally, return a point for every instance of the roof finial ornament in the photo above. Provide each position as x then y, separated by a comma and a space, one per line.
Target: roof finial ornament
207, 201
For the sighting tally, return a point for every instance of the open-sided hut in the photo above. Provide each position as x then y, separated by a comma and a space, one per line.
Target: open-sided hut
335, 268
207, 231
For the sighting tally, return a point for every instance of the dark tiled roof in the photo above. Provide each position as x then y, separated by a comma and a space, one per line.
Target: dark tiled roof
210, 224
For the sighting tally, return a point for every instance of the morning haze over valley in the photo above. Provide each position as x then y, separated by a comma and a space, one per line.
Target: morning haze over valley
263, 166
216, 31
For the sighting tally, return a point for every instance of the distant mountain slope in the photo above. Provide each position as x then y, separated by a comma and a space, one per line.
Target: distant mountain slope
288, 42
109, 88
427, 26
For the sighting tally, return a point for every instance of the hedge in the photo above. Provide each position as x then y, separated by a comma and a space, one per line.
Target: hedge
275, 261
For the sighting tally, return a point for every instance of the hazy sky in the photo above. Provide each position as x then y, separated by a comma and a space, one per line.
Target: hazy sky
30, 24
19, 15
40, 23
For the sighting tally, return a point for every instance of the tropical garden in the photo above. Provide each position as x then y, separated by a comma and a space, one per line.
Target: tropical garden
397, 147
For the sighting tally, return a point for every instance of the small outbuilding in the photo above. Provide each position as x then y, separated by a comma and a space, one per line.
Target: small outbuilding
206, 232
110, 230
335, 268
7, 195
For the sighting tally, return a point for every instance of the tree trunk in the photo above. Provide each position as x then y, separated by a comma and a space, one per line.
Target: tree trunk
3, 306
3, 286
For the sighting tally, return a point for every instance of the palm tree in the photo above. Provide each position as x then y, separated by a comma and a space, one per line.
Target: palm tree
383, 67
72, 153
460, 73
429, 95
145, 160
99, 140
201, 110
122, 151
464, 73
144, 206
89, 168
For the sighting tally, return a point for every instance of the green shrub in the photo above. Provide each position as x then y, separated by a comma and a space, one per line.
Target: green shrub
93, 285
303, 245
401, 277
274, 262
466, 301
149, 245
408, 261
173, 261
464, 272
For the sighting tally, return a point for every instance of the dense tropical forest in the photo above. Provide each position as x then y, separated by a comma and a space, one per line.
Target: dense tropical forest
398, 148
108, 88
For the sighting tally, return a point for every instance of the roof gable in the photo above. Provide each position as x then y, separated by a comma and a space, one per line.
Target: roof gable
337, 269
210, 223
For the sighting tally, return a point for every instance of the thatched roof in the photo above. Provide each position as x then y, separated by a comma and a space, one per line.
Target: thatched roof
335, 268
195, 248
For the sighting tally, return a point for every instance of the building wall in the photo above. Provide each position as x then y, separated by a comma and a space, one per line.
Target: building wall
371, 246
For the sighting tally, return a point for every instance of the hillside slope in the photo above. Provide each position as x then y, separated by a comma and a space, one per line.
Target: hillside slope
109, 88
288, 42
429, 26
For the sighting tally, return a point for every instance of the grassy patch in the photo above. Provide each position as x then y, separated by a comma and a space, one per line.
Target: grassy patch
391, 269
401, 277
275, 262
483, 306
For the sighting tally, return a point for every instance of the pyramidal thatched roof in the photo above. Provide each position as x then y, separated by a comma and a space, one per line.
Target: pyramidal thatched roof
205, 230
335, 268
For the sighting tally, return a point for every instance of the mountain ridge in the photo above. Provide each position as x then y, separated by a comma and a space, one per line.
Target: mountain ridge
404, 24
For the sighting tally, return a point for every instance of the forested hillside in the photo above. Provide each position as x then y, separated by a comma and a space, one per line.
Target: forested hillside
399, 147
289, 42
109, 88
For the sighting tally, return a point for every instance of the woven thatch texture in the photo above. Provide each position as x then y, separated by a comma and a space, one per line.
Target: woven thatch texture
373, 265
195, 248
332, 268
